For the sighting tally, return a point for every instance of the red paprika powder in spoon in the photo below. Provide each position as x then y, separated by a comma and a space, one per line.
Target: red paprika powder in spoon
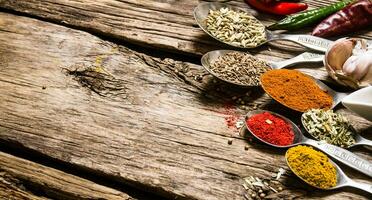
271, 129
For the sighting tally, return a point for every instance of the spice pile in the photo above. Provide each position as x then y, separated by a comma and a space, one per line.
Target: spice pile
236, 28
329, 126
271, 129
312, 166
295, 90
239, 68
258, 189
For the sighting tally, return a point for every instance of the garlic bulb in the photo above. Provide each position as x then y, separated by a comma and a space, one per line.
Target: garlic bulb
349, 62
341, 51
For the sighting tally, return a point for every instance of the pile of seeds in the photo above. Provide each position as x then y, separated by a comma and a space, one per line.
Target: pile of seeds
236, 28
239, 68
328, 126
258, 189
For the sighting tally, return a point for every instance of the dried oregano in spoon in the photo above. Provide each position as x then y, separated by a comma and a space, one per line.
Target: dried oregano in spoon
328, 126
236, 28
239, 68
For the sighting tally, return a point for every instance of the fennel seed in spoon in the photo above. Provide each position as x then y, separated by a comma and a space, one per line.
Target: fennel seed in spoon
236, 28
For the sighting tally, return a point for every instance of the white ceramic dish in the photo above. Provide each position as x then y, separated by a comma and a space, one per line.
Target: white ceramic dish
360, 102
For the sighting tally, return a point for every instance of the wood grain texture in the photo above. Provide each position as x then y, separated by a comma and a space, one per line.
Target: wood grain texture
20, 174
145, 121
11, 191
153, 23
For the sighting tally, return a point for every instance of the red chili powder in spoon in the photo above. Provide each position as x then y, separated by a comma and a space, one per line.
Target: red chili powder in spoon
271, 129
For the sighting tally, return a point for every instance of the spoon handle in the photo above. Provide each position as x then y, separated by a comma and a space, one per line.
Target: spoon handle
346, 157
363, 186
337, 98
309, 41
363, 141
302, 58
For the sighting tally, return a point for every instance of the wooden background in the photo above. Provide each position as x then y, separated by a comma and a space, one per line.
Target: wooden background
107, 100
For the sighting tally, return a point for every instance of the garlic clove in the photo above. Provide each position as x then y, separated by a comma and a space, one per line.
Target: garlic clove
358, 66
360, 47
367, 79
340, 51
350, 65
347, 63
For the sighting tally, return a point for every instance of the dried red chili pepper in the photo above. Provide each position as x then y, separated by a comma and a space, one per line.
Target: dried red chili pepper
271, 129
352, 18
278, 8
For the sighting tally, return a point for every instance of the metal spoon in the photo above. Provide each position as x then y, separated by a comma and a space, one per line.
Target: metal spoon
202, 10
346, 157
359, 140
360, 102
336, 96
342, 179
212, 56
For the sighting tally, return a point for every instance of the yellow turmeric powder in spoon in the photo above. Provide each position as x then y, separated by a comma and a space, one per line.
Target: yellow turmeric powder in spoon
312, 166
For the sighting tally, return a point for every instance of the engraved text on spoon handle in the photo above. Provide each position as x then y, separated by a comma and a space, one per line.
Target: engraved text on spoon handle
302, 58
346, 157
309, 41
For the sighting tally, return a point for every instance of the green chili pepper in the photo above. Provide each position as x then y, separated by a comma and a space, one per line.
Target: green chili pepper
300, 20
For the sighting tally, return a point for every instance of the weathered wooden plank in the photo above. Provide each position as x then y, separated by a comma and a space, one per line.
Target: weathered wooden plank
155, 23
19, 174
165, 25
145, 121
11, 191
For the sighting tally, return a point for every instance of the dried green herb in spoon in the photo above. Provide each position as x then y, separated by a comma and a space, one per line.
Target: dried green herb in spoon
328, 126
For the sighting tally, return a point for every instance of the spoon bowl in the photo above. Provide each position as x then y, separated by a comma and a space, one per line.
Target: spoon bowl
209, 58
201, 13
202, 10
360, 102
336, 96
359, 140
342, 179
346, 157
298, 136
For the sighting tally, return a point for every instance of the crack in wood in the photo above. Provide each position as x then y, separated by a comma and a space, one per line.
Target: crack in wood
98, 80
